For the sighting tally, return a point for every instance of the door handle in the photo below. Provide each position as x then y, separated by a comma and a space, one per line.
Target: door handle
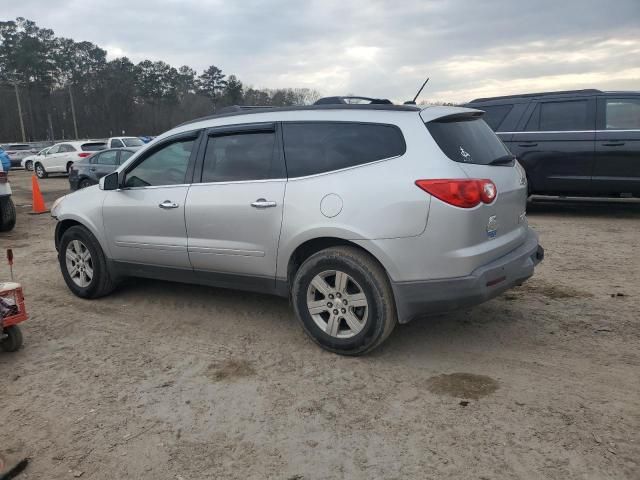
168, 204
527, 145
613, 144
262, 203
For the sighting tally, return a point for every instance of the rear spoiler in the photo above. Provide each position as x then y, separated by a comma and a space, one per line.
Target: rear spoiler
449, 114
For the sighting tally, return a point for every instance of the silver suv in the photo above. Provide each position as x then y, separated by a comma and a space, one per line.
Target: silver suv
363, 215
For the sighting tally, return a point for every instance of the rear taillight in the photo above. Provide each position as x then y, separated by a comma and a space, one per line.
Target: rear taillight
464, 193
3, 177
84, 154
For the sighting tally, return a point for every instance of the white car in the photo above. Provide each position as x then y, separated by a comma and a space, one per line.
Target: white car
124, 142
60, 157
27, 162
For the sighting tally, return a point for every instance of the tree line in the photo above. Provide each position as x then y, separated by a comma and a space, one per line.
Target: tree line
54, 87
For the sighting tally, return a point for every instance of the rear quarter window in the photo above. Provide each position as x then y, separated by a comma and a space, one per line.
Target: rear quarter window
495, 114
467, 140
317, 147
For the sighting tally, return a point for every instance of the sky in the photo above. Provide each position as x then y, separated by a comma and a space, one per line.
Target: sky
377, 48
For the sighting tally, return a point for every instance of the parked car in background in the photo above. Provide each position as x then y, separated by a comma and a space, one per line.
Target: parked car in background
380, 213
122, 142
581, 142
146, 138
90, 170
17, 151
5, 160
27, 162
60, 157
7, 208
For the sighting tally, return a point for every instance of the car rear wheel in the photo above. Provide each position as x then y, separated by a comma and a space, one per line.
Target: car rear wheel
40, 171
28, 165
69, 165
344, 301
83, 264
7, 214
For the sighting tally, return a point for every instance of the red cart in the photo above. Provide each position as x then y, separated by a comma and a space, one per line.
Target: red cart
12, 312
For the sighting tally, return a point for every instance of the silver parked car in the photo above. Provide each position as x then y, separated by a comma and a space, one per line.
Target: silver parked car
364, 215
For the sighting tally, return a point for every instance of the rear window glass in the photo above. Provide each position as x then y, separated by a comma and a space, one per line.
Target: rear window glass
241, 157
495, 114
317, 147
467, 140
132, 142
93, 147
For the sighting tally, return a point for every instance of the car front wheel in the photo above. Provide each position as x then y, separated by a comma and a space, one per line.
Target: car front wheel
28, 165
83, 264
344, 301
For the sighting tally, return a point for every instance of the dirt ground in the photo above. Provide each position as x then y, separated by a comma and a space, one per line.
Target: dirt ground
171, 381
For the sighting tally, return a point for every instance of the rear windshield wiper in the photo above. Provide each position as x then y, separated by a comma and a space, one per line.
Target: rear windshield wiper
503, 160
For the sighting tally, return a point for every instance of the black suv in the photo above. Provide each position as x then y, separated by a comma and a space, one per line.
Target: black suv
580, 142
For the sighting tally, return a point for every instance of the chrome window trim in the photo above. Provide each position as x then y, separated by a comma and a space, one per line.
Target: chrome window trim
573, 131
235, 182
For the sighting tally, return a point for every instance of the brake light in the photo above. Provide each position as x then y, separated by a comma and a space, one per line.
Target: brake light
464, 193
84, 154
3, 177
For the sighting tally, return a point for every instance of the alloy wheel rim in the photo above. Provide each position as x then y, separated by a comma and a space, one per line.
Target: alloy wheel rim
337, 304
79, 263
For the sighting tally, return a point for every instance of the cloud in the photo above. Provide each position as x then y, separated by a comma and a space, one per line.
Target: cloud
379, 48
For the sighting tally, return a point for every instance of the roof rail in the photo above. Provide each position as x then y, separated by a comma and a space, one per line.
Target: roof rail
259, 109
240, 108
347, 101
539, 94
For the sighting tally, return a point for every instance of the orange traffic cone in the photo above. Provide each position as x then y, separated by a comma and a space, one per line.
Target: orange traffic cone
38, 205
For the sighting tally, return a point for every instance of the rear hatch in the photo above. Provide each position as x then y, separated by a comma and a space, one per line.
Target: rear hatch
466, 139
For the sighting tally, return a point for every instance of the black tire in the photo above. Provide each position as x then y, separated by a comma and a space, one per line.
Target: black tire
84, 183
40, 171
13, 341
7, 214
69, 165
101, 283
373, 281
28, 165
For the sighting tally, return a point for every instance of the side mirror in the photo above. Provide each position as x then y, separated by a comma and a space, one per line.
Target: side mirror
109, 182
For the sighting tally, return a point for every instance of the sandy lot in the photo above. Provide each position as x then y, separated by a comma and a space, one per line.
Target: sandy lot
170, 381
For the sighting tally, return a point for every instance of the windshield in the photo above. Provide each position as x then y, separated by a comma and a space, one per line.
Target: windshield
467, 139
132, 142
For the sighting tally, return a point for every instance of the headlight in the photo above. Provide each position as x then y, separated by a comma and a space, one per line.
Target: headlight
56, 204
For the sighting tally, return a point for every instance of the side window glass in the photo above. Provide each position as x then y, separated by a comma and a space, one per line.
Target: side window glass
622, 114
317, 147
54, 149
242, 156
94, 159
109, 158
165, 166
116, 143
563, 116
534, 120
124, 156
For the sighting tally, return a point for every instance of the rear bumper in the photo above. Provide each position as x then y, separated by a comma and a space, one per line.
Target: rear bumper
426, 297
